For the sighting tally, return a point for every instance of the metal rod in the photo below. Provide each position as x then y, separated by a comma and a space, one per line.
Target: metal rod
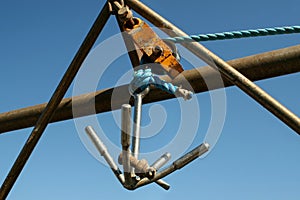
256, 67
227, 70
178, 164
104, 152
161, 161
125, 141
137, 125
163, 184
56, 98
157, 165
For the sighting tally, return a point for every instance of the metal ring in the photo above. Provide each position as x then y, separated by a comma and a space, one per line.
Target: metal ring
133, 93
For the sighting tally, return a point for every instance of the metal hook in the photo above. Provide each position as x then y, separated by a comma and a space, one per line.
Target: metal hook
138, 98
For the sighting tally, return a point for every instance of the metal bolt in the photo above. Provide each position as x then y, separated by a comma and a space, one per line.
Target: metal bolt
157, 50
126, 16
142, 167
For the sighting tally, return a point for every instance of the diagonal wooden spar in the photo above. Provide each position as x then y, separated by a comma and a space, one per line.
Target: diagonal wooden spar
231, 74
50, 108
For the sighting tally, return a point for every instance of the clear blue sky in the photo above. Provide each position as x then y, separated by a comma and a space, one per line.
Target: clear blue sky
256, 157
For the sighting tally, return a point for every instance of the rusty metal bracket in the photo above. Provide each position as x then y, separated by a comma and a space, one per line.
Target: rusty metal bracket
151, 46
154, 48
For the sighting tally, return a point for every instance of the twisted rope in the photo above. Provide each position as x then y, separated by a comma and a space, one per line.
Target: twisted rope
237, 34
144, 78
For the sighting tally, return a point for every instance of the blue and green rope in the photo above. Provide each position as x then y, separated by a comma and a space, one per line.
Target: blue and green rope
237, 34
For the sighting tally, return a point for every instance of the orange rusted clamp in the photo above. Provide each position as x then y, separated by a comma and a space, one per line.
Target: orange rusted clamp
153, 48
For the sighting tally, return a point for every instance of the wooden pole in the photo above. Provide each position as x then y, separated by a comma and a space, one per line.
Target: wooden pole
256, 67
54, 102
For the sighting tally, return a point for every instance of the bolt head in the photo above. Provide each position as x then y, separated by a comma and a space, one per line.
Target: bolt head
157, 50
